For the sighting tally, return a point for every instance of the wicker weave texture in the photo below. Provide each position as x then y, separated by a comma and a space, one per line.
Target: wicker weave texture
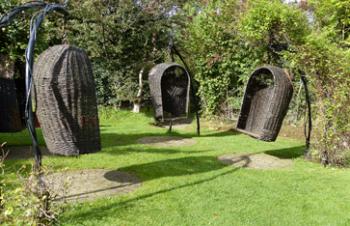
170, 91
66, 101
265, 103
10, 117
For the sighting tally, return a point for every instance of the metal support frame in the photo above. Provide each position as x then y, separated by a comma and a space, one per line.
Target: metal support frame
308, 121
36, 21
173, 50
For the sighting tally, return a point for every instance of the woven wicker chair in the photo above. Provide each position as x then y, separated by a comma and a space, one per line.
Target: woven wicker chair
66, 101
265, 103
10, 117
170, 91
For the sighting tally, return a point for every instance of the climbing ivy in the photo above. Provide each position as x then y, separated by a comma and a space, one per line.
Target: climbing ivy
325, 57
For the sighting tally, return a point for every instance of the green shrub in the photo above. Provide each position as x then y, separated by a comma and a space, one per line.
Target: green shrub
26, 203
328, 68
228, 39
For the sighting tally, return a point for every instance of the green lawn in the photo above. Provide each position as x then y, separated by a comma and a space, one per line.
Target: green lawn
188, 186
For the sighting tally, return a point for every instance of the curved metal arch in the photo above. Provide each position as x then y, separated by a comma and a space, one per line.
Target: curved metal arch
174, 50
36, 21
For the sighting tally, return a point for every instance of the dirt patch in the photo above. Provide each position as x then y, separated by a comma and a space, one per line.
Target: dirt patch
90, 184
178, 126
24, 152
255, 161
181, 124
219, 125
166, 141
290, 131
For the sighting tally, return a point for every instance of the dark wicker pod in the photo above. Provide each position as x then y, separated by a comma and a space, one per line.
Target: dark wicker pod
66, 101
265, 103
10, 117
170, 91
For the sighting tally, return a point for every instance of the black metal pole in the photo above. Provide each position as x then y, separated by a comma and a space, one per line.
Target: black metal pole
29, 115
172, 58
307, 130
36, 21
10, 16
170, 49
194, 96
35, 24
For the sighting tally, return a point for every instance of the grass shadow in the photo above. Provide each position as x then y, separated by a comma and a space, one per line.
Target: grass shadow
101, 211
287, 153
171, 167
225, 133
118, 139
150, 150
182, 121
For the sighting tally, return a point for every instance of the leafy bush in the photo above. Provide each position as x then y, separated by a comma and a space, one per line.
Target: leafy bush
120, 37
332, 19
14, 37
328, 68
27, 204
228, 39
272, 28
104, 84
324, 57
218, 55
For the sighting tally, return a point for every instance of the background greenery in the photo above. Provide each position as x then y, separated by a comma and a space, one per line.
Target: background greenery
223, 41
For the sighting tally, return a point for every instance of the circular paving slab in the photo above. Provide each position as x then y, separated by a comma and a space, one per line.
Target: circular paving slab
166, 141
90, 184
255, 161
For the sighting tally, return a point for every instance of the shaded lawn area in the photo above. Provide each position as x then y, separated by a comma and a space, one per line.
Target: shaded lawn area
188, 186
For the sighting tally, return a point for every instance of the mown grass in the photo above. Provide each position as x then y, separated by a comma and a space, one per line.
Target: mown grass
188, 186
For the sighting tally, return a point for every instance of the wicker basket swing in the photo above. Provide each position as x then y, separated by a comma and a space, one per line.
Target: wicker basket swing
66, 101
10, 117
170, 91
265, 103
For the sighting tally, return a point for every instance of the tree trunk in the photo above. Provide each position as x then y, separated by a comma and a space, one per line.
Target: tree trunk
137, 102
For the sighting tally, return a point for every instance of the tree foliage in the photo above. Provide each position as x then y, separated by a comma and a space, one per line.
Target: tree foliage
329, 70
332, 17
222, 40
120, 31
14, 38
325, 59
228, 39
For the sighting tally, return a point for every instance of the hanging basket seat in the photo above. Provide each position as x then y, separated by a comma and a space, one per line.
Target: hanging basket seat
10, 117
265, 103
170, 91
66, 103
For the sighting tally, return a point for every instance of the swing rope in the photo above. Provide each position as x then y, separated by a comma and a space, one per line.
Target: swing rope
36, 21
